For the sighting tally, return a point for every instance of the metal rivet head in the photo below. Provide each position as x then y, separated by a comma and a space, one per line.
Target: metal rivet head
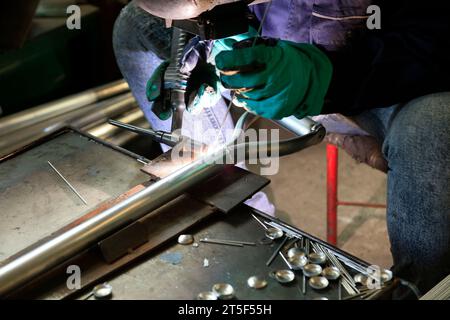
312, 270
274, 233
256, 282
331, 273
223, 291
206, 295
185, 239
318, 282
284, 276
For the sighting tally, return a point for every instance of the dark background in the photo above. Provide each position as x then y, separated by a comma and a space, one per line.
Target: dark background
42, 60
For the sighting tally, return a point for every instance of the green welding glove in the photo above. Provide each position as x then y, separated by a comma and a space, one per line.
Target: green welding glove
209, 92
154, 92
276, 78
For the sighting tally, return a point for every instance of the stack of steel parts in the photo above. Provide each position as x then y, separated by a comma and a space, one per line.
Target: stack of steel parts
440, 292
87, 111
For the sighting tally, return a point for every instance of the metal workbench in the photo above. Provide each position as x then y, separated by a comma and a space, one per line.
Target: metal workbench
177, 271
142, 260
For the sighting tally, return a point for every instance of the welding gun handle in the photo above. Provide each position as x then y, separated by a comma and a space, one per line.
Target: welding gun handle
167, 138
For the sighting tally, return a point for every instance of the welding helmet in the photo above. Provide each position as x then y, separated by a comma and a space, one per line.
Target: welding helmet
210, 19
181, 9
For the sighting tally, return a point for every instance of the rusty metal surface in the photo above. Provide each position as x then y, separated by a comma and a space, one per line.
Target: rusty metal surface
177, 272
35, 202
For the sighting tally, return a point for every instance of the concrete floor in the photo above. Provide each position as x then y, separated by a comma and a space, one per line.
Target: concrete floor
299, 193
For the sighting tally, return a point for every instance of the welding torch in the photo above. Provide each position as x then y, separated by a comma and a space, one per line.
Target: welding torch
168, 138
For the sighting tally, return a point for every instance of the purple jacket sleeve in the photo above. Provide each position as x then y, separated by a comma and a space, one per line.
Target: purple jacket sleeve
407, 58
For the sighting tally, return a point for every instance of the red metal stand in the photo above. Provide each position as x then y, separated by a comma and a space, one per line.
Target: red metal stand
332, 183
332, 195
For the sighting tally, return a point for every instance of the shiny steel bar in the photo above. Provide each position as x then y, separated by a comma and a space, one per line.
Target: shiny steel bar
20, 269
23, 119
83, 119
105, 129
67, 182
167, 138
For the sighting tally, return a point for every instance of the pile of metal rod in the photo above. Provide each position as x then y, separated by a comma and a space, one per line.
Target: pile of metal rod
347, 280
440, 292
87, 111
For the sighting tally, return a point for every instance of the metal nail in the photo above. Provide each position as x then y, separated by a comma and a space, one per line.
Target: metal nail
221, 242
67, 182
233, 241
285, 260
275, 253
260, 222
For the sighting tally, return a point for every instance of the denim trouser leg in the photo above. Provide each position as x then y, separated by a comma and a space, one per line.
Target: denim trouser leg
416, 144
140, 43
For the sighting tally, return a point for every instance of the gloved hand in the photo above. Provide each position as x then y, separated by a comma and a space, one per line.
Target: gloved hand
276, 78
201, 86
204, 81
154, 91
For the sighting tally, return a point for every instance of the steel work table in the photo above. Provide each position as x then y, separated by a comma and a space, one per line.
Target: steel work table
156, 266
176, 271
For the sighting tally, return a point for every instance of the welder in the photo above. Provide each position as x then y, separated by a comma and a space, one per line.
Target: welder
382, 93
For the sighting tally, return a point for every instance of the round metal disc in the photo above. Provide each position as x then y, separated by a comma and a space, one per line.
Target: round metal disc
360, 278
312, 270
206, 295
102, 291
274, 233
298, 261
223, 291
256, 282
185, 239
317, 257
318, 283
293, 252
284, 276
331, 273
386, 275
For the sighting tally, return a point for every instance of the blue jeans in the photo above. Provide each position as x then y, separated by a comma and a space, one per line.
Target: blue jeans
415, 138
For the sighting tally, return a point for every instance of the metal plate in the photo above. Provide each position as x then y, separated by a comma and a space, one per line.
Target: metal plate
34, 201
239, 186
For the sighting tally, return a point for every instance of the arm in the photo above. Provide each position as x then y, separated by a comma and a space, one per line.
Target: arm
409, 57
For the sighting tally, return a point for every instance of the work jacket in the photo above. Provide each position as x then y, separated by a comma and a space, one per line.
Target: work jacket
409, 56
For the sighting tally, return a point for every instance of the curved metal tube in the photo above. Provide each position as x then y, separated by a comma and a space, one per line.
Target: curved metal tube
19, 270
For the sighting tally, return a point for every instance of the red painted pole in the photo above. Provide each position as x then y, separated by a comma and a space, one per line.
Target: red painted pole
332, 196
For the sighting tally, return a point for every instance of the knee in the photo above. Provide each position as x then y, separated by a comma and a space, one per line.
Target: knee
123, 26
138, 31
420, 131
